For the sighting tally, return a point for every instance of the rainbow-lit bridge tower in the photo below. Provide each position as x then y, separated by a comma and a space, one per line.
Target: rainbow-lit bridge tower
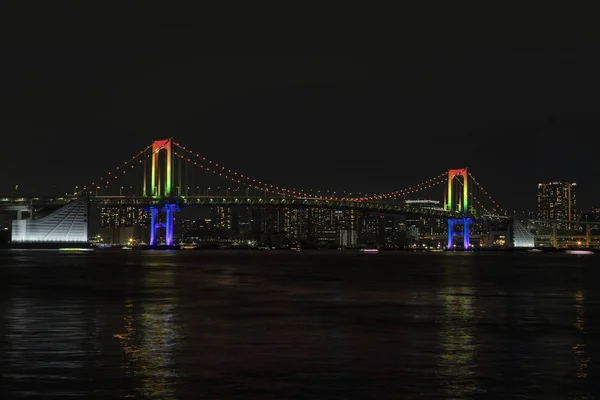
161, 178
458, 201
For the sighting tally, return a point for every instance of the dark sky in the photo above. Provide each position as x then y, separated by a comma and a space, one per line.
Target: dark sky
368, 99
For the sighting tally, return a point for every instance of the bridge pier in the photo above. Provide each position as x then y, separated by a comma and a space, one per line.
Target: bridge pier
153, 222
169, 211
466, 233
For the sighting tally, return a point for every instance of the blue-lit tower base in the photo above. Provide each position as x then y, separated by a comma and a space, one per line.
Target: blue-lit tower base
466, 234
169, 210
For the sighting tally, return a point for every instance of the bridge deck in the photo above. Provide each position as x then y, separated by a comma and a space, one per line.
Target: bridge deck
273, 202
237, 201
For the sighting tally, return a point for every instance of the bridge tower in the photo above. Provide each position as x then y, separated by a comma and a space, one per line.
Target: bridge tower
458, 202
161, 179
454, 201
161, 176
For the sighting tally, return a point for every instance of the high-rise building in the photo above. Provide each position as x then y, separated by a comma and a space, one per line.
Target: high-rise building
123, 216
266, 220
294, 223
557, 201
594, 216
223, 218
185, 225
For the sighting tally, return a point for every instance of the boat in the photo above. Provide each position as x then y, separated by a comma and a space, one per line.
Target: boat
579, 251
369, 250
75, 249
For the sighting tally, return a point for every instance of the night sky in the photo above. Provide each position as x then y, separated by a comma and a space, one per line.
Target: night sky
370, 100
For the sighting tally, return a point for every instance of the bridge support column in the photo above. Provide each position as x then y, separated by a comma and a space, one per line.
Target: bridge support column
466, 233
169, 212
28, 210
153, 218
450, 233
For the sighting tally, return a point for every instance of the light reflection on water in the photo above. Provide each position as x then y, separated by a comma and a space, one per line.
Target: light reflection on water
581, 358
457, 342
149, 337
221, 325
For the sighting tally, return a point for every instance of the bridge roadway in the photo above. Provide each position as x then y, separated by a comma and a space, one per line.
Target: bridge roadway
11, 203
308, 202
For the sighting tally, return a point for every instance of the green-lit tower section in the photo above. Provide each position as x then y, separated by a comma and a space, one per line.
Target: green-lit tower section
161, 185
460, 205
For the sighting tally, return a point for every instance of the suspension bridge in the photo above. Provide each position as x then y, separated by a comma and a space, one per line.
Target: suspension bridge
166, 176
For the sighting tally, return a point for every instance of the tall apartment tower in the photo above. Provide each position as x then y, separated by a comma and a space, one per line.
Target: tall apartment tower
557, 201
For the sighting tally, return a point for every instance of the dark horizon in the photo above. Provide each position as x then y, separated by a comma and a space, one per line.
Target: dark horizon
371, 106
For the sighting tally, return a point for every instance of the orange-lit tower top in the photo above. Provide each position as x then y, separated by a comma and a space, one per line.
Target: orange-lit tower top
461, 206
161, 185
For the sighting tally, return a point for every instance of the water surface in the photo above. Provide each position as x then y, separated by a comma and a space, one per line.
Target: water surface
273, 325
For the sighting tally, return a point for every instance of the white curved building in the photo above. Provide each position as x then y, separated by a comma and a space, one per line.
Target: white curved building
522, 236
67, 224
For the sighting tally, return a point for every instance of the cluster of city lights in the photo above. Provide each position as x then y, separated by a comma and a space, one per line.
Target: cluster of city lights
119, 171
